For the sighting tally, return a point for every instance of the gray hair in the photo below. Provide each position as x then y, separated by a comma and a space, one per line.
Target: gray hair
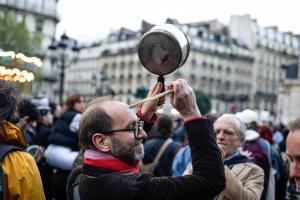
294, 125
239, 124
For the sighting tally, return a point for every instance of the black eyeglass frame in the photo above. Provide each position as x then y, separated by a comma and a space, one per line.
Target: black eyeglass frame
135, 130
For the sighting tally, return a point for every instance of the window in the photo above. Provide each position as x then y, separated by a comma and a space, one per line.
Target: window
279, 37
262, 31
177, 73
227, 85
194, 61
205, 45
39, 5
193, 73
21, 3
271, 33
39, 25
200, 33
122, 66
228, 71
254, 28
220, 49
114, 65
193, 77
105, 66
193, 31
295, 42
212, 47
139, 76
131, 63
287, 39
19, 18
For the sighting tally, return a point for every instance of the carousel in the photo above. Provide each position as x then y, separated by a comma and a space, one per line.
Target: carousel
17, 67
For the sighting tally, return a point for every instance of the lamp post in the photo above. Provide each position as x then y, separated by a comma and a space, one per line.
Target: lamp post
63, 52
104, 88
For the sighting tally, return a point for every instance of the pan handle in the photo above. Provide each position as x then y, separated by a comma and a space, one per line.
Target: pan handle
161, 79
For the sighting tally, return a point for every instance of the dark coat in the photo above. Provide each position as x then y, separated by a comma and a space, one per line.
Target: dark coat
152, 147
207, 180
61, 134
43, 133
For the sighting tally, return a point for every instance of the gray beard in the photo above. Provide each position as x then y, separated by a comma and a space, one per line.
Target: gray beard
140, 154
129, 153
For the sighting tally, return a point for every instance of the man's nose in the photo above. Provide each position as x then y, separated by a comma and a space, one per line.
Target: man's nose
294, 169
220, 135
142, 134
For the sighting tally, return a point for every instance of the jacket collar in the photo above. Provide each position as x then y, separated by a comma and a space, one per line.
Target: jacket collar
11, 134
237, 158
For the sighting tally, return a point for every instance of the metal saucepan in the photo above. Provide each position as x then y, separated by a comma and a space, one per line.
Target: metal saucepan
163, 49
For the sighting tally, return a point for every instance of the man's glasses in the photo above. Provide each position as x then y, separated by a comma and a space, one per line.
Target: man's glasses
135, 129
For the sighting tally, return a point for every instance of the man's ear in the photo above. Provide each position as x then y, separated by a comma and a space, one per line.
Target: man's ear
100, 141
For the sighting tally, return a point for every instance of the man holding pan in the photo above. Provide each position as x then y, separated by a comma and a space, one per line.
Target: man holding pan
111, 137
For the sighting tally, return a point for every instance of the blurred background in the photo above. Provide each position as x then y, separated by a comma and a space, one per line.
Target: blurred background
244, 53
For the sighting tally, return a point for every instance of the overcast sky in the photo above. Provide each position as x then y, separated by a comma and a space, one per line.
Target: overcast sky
88, 20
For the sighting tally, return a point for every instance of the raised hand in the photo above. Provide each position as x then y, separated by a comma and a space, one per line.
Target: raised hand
150, 107
183, 99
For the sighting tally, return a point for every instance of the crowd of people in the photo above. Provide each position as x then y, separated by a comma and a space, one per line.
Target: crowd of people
102, 149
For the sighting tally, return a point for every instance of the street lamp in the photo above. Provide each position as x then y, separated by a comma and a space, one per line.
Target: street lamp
63, 53
104, 88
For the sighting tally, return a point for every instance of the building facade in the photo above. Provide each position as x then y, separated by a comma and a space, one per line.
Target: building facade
238, 66
288, 101
289, 94
272, 49
82, 76
39, 16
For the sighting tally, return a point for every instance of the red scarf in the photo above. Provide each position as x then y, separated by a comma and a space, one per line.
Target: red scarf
108, 161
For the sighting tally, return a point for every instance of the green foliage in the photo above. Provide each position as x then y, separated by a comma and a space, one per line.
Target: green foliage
141, 92
14, 36
203, 102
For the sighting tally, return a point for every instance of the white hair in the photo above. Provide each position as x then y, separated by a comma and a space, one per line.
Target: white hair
239, 124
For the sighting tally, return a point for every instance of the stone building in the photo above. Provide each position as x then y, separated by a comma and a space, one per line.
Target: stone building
39, 16
272, 49
289, 94
237, 65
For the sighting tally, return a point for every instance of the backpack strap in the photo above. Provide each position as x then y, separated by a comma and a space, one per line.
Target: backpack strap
73, 184
76, 195
150, 167
4, 150
162, 150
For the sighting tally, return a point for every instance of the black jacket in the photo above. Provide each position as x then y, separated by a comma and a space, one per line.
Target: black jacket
207, 180
43, 132
61, 134
152, 147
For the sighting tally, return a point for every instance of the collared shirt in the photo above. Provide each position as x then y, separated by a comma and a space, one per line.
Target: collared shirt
232, 156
